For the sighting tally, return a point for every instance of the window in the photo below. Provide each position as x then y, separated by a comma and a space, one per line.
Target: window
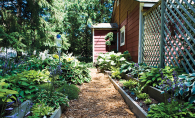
122, 36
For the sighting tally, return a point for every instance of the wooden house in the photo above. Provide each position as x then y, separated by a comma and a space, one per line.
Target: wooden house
127, 22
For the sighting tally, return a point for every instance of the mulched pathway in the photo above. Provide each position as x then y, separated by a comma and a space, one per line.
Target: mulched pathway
98, 99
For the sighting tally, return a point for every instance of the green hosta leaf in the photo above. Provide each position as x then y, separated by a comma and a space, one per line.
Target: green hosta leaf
157, 75
149, 81
153, 78
122, 59
87, 79
181, 76
191, 99
181, 92
150, 74
24, 83
193, 90
154, 84
22, 93
187, 84
158, 79
192, 74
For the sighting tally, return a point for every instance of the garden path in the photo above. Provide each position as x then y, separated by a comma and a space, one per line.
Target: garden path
99, 99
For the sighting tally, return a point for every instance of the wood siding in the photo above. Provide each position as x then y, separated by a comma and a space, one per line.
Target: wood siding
99, 42
124, 5
131, 27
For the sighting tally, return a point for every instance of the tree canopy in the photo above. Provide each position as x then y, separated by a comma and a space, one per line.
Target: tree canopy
28, 25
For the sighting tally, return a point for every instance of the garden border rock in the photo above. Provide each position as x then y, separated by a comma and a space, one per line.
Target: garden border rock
135, 108
58, 112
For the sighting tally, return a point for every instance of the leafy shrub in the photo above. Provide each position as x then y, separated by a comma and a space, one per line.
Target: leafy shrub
116, 73
105, 61
130, 84
148, 101
72, 91
170, 110
37, 76
23, 86
142, 96
40, 110
75, 74
52, 99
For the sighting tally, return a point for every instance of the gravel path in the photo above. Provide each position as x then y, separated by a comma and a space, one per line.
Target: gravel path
98, 99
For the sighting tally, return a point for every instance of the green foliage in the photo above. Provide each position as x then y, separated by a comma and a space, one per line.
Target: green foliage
187, 80
71, 90
116, 73
138, 89
37, 76
4, 91
148, 101
151, 78
40, 110
108, 43
52, 99
75, 74
23, 86
142, 96
110, 37
154, 76
130, 84
171, 110
6, 95
105, 61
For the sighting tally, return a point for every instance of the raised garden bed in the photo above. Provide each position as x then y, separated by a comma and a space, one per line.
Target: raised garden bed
152, 91
24, 108
135, 108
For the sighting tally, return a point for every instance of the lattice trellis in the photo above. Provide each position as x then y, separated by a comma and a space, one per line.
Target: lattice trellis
179, 34
151, 36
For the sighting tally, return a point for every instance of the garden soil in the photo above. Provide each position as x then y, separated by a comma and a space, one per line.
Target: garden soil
98, 99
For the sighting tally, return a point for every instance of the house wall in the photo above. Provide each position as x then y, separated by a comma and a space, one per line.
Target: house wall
99, 42
131, 23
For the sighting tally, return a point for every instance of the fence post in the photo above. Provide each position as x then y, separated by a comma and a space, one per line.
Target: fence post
162, 34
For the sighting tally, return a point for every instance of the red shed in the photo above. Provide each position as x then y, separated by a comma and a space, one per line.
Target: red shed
99, 33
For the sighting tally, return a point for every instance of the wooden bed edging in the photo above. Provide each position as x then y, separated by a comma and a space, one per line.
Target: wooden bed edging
135, 108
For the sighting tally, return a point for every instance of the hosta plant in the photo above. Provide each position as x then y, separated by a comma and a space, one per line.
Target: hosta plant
171, 110
115, 73
52, 99
130, 84
40, 110
143, 96
148, 101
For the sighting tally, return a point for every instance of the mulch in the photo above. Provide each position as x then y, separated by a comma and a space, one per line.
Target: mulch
98, 99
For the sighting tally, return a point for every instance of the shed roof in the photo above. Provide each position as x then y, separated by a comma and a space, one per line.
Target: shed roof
147, 0
105, 25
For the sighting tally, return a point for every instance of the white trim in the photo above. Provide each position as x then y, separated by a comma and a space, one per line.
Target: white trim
121, 31
93, 46
117, 41
140, 32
